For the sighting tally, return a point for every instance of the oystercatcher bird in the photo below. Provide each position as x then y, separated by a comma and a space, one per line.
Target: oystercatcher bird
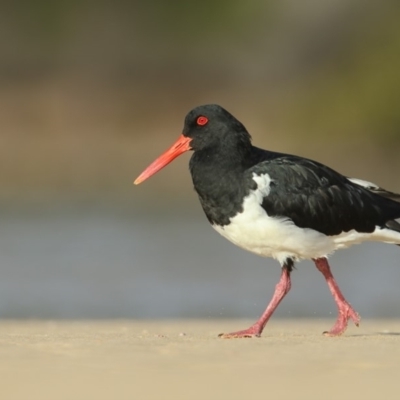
279, 205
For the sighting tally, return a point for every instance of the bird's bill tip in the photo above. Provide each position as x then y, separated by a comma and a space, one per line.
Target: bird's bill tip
137, 181
180, 146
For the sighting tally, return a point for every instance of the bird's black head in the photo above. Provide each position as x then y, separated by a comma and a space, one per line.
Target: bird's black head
208, 129
211, 125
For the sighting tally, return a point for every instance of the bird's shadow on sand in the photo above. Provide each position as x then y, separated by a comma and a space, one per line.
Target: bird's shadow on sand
375, 334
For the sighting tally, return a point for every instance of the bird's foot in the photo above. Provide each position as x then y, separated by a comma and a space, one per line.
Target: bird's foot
346, 312
253, 331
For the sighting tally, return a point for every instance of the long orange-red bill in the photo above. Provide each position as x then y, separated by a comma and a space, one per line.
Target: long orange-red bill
179, 147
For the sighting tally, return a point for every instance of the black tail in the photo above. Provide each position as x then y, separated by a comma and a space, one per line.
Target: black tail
393, 225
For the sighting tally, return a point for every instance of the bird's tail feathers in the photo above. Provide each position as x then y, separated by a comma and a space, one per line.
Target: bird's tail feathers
394, 225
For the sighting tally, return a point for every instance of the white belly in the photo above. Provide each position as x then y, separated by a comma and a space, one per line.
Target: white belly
275, 237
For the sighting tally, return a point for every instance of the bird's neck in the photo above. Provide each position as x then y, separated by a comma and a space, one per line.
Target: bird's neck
210, 165
217, 179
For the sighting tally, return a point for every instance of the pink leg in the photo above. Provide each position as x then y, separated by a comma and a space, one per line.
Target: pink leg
281, 289
346, 311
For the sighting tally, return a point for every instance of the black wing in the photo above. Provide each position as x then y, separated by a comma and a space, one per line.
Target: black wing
315, 196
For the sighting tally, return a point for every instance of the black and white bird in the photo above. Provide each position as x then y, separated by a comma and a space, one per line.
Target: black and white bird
279, 205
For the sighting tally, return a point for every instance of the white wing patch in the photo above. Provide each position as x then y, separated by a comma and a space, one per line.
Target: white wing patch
364, 184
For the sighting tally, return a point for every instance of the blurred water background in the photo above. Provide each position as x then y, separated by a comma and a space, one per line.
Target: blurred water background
92, 91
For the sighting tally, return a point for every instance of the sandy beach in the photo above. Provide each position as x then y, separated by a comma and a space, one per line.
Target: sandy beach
184, 359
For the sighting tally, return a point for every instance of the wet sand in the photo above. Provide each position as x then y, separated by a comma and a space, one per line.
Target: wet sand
184, 359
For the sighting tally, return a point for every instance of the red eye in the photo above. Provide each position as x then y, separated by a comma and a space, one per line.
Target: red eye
202, 120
